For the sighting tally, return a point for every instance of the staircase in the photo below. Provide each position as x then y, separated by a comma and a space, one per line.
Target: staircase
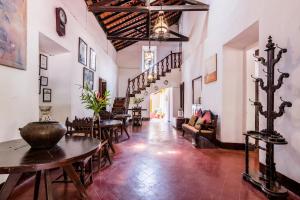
145, 79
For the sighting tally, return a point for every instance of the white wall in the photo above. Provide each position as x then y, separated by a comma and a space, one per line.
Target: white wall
224, 21
19, 99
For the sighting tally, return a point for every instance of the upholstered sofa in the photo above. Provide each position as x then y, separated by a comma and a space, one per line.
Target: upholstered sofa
202, 130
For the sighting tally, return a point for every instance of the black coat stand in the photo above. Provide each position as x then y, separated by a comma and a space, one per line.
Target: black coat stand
267, 183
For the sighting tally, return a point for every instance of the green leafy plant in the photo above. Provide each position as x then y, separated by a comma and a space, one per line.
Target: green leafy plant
137, 101
92, 100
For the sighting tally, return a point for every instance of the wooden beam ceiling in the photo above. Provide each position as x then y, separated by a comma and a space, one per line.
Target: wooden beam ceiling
127, 21
145, 9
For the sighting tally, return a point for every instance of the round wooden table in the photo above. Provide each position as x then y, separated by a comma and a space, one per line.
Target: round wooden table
16, 158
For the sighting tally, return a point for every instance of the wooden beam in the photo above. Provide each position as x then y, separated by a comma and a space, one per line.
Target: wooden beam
103, 2
97, 9
194, 2
147, 39
178, 34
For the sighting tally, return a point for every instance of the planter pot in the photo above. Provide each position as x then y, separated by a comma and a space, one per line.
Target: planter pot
42, 135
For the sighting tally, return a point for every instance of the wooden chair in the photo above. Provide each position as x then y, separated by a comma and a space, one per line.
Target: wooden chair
81, 128
105, 115
137, 117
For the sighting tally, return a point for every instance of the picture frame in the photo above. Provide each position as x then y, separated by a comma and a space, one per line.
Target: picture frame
43, 81
47, 95
211, 69
13, 28
197, 90
93, 59
43, 62
88, 78
82, 52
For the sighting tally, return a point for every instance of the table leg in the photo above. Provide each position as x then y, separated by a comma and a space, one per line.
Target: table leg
9, 185
125, 129
37, 185
48, 186
110, 138
76, 180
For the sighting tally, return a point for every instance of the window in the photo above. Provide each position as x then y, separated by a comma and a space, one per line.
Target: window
148, 57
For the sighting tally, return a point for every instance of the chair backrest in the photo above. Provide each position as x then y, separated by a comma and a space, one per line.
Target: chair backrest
105, 115
136, 112
79, 126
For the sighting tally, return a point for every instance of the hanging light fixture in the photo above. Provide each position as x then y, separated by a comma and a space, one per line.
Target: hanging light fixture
148, 55
161, 27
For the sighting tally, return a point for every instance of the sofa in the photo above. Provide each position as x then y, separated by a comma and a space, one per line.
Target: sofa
202, 127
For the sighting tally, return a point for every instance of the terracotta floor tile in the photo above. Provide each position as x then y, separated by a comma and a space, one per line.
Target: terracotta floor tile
158, 164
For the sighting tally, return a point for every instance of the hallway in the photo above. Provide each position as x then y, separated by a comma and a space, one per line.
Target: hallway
158, 164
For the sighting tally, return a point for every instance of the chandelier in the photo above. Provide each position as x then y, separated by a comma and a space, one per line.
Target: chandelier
161, 27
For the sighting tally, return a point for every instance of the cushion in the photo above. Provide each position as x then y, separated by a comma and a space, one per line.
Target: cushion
198, 113
192, 120
199, 122
207, 131
207, 117
189, 128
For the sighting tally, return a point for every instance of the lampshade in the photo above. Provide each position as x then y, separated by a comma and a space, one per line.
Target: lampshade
161, 27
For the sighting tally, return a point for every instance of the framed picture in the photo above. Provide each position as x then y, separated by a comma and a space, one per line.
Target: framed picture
43, 62
210, 69
88, 78
13, 37
197, 90
82, 52
43, 81
47, 93
92, 59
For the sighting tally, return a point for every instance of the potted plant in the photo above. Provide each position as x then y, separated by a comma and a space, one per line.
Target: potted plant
137, 101
92, 100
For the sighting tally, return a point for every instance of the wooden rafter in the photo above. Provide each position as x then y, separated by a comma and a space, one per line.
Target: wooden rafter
149, 8
127, 21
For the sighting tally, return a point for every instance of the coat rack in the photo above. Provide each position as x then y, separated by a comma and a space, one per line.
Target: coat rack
267, 183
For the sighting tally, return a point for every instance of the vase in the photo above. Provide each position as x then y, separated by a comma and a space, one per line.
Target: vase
43, 135
96, 119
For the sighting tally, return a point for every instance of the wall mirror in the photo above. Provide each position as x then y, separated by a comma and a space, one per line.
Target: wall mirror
197, 90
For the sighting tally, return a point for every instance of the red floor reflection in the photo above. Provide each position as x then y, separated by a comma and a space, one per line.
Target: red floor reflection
158, 164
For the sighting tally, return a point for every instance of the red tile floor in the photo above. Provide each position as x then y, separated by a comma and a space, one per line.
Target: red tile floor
158, 164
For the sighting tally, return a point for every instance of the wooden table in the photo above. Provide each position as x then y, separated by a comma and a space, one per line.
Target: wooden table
16, 158
107, 126
123, 118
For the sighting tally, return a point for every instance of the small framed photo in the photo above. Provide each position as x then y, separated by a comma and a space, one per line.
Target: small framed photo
43, 81
47, 93
43, 62
88, 78
92, 59
82, 52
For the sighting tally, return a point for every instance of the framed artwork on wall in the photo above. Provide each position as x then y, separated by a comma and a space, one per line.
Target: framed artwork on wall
43, 62
13, 34
82, 52
88, 78
47, 95
43, 81
92, 59
210, 69
197, 90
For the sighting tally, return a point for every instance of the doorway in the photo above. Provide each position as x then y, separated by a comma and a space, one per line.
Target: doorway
160, 105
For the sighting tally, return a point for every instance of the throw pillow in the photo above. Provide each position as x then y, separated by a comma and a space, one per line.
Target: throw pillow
199, 122
192, 120
207, 117
198, 113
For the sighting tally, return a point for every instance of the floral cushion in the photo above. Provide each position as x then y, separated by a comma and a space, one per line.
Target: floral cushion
207, 117
200, 121
192, 121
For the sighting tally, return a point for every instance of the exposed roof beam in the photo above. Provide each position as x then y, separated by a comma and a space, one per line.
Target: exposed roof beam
96, 9
103, 2
147, 39
194, 2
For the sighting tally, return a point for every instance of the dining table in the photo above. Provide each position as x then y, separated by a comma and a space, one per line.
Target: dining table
17, 158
